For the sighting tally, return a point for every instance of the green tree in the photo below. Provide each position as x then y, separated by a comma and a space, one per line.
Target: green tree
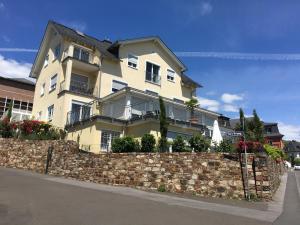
191, 105
163, 144
225, 146
199, 143
258, 128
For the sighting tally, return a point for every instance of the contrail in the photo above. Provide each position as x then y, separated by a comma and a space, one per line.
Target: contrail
17, 50
241, 56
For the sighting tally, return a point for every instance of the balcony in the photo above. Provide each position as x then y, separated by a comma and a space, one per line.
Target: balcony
83, 60
81, 88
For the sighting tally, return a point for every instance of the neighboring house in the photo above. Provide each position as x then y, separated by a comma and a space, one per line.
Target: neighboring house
18, 92
99, 90
292, 149
272, 135
271, 132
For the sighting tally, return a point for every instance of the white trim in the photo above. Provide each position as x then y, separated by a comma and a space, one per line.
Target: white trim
137, 61
174, 74
159, 73
51, 89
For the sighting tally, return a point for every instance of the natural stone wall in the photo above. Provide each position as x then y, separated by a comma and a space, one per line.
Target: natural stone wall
204, 174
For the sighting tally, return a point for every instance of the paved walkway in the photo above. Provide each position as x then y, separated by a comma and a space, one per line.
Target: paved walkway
29, 198
291, 209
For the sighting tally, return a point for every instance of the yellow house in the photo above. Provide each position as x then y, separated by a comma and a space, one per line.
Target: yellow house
99, 90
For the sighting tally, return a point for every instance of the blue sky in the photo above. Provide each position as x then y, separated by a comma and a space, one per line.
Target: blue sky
265, 74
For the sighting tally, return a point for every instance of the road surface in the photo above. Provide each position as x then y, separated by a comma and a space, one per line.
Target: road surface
30, 198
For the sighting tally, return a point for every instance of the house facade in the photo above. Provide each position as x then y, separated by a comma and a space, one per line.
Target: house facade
292, 149
272, 135
99, 90
17, 92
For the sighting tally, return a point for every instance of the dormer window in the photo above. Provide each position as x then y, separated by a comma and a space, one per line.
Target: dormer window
57, 51
170, 75
132, 61
81, 54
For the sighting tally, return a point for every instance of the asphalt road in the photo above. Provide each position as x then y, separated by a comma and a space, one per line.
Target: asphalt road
29, 198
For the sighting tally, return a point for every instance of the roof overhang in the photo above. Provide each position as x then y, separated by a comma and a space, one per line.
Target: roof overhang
156, 40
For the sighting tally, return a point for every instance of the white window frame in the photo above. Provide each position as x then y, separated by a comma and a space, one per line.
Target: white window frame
42, 93
53, 86
172, 76
159, 75
110, 133
40, 113
50, 115
130, 55
46, 62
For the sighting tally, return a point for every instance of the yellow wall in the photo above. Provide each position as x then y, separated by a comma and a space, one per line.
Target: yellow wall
145, 51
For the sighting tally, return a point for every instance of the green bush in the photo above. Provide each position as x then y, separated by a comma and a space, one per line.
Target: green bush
162, 188
225, 146
273, 152
125, 144
148, 143
297, 161
199, 143
178, 144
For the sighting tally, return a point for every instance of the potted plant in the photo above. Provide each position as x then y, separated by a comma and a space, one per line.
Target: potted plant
191, 105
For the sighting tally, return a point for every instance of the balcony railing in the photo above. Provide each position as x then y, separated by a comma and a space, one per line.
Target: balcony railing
75, 116
80, 54
79, 88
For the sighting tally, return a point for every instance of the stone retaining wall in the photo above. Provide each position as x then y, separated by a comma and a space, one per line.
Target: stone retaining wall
204, 174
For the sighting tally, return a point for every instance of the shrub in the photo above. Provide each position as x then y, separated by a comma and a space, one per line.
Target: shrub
30, 129
199, 143
125, 144
147, 143
225, 146
251, 147
6, 128
273, 152
178, 144
297, 161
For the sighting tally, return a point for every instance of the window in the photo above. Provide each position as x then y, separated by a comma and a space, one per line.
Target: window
117, 85
81, 54
39, 117
151, 93
43, 89
107, 138
50, 112
152, 73
170, 75
46, 62
57, 51
79, 111
53, 82
132, 61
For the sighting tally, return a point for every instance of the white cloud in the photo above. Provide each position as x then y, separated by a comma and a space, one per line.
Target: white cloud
2, 6
230, 108
18, 50
14, 69
290, 132
230, 98
6, 38
209, 104
205, 8
242, 56
77, 25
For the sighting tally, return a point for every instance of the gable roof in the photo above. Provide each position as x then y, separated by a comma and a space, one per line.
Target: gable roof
106, 48
19, 80
156, 39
